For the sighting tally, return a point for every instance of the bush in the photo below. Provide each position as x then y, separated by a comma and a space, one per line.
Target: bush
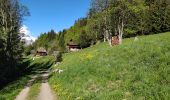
58, 56
28, 50
84, 40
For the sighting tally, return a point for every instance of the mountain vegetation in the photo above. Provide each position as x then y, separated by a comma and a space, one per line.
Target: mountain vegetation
107, 18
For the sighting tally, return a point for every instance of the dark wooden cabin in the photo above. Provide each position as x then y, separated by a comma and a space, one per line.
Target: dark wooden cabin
41, 52
72, 46
115, 40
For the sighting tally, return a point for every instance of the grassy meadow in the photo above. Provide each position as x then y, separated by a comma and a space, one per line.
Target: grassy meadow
135, 70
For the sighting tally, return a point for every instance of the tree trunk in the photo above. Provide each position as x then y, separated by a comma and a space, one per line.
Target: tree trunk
104, 37
105, 29
110, 42
108, 37
120, 31
107, 32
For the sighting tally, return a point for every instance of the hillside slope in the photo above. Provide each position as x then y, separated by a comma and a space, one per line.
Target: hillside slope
134, 70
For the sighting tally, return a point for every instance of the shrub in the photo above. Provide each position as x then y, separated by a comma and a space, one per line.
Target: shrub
58, 56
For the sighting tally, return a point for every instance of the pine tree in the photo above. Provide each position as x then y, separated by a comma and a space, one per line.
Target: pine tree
61, 40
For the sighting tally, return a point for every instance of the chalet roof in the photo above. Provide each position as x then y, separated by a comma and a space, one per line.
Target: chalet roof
41, 49
72, 43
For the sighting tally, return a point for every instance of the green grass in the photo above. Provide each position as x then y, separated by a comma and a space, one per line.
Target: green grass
34, 89
13, 89
131, 71
41, 63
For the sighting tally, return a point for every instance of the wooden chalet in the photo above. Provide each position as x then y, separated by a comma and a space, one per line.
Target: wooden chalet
72, 46
41, 52
115, 40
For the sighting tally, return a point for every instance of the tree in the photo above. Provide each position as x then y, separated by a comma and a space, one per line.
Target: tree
28, 49
120, 13
95, 29
84, 40
124, 13
158, 15
100, 8
61, 40
138, 20
11, 17
51, 35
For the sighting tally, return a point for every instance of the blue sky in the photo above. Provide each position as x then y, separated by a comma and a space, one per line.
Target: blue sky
53, 14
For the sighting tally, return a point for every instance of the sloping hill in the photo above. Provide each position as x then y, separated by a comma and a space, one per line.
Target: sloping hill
132, 71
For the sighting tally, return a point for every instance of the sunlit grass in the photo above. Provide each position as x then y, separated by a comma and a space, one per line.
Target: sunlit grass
131, 71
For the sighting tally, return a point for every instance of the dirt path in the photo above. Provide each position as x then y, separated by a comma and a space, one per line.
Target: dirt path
23, 94
46, 92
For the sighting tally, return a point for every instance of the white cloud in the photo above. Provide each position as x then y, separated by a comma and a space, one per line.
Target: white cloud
27, 34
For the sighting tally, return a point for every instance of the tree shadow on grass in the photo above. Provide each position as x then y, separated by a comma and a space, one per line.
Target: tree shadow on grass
26, 68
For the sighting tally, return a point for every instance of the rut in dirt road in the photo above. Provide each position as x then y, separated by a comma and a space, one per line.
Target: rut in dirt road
23, 94
46, 92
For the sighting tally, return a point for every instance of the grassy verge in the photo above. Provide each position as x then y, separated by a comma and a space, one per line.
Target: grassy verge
13, 89
34, 89
131, 71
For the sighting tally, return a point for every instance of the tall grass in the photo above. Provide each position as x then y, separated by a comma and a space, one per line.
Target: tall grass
132, 71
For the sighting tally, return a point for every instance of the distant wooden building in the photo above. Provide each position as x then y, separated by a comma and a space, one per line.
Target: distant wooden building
72, 46
115, 40
41, 52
